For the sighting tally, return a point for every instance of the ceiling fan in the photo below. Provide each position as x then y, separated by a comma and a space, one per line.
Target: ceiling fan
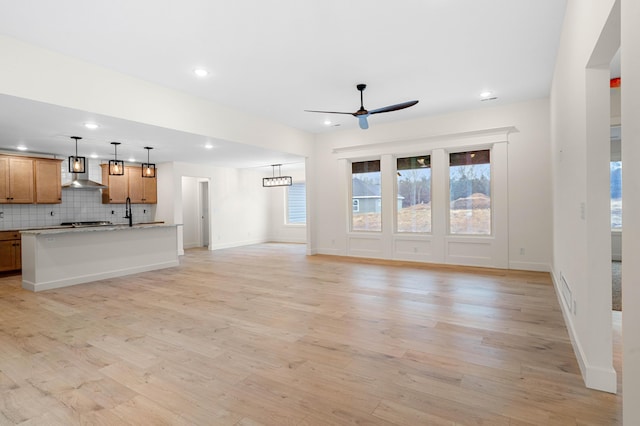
362, 113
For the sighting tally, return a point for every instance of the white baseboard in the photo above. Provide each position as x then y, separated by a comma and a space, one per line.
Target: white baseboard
288, 240
598, 378
82, 279
236, 244
530, 266
330, 251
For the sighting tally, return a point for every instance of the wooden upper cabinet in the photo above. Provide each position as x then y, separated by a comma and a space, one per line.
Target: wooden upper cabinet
4, 179
48, 181
17, 180
132, 184
150, 190
141, 190
136, 186
117, 190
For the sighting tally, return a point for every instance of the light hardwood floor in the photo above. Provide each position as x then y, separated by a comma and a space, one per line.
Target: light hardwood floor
264, 335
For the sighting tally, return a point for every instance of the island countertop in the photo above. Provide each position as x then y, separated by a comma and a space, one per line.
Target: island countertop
99, 228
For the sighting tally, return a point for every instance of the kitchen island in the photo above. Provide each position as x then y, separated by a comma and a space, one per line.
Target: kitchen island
54, 258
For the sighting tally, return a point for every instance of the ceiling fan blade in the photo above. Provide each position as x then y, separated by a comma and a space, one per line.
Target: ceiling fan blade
395, 107
329, 112
362, 121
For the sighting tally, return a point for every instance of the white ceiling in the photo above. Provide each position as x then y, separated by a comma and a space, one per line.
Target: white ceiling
276, 59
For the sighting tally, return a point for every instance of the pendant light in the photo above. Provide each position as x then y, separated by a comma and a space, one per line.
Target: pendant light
277, 180
116, 167
148, 169
76, 164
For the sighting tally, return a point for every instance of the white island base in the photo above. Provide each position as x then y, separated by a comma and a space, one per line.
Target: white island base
54, 258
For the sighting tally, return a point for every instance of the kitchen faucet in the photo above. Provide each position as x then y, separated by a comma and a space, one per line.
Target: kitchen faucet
128, 212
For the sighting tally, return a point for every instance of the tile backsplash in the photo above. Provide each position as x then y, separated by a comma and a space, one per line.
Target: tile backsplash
77, 205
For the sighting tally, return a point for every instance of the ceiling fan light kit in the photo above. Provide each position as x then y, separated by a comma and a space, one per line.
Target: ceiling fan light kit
362, 114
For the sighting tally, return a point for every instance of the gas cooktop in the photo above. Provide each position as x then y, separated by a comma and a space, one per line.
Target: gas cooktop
87, 223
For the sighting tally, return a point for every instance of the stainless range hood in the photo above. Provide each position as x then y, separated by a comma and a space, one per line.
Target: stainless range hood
81, 181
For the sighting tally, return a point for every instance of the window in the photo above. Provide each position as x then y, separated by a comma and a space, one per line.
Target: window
616, 194
366, 195
470, 193
296, 204
413, 202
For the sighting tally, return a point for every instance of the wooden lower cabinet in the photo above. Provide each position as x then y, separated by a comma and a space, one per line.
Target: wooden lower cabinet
10, 251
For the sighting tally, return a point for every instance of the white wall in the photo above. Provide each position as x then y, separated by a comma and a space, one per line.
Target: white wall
631, 207
238, 204
521, 174
580, 140
190, 212
279, 230
30, 72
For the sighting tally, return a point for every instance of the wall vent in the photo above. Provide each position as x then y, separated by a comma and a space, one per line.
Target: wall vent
566, 292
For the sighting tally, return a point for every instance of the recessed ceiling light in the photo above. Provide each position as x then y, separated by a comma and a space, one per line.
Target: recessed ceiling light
22, 148
208, 146
91, 126
131, 159
201, 72
487, 96
327, 122
94, 155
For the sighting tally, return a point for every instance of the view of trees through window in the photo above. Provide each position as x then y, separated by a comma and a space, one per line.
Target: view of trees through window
366, 213
616, 194
470, 193
414, 194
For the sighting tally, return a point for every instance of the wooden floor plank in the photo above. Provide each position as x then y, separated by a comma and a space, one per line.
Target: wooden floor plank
265, 335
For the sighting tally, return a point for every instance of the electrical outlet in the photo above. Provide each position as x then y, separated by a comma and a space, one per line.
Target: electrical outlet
521, 251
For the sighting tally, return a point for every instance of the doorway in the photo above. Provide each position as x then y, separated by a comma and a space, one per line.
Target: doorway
195, 212
204, 213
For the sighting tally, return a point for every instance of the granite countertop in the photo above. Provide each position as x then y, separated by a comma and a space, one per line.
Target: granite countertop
100, 228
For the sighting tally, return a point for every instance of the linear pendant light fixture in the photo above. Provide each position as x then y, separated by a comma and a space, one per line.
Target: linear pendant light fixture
116, 167
148, 169
277, 180
76, 164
